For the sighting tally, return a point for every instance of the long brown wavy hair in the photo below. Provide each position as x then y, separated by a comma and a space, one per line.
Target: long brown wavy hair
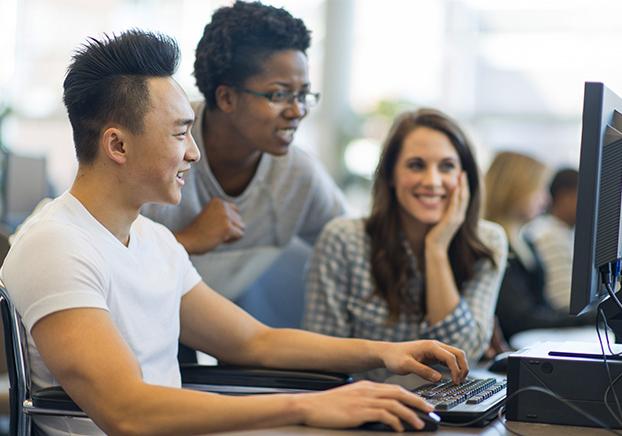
390, 264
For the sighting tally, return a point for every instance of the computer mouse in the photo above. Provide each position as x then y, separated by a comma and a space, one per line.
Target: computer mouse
499, 364
430, 420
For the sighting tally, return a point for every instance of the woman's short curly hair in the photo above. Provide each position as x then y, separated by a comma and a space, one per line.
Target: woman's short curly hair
238, 39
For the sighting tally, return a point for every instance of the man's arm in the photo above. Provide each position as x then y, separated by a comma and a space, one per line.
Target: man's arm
97, 369
211, 323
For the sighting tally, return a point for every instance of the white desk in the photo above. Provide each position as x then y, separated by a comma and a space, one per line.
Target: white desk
496, 428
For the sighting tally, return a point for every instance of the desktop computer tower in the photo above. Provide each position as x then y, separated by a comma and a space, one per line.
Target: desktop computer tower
570, 370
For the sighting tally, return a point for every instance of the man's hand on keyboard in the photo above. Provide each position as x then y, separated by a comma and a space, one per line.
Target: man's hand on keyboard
361, 402
415, 356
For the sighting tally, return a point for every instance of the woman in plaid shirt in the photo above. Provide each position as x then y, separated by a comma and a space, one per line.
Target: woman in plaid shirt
423, 265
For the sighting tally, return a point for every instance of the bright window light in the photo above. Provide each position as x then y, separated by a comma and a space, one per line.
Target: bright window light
361, 157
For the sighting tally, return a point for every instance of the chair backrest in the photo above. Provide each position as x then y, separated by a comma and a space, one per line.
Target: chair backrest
5, 245
15, 347
4, 250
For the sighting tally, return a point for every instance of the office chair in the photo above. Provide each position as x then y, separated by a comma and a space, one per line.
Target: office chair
236, 380
23, 403
219, 379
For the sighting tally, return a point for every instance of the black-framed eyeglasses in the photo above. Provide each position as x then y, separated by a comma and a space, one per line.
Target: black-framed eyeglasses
306, 98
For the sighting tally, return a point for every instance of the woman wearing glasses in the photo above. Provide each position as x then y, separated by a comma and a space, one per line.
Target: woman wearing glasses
422, 265
252, 192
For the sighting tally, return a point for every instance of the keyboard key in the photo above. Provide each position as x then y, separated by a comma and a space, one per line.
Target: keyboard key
444, 395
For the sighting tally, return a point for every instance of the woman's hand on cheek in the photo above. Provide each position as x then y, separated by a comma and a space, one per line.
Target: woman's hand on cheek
440, 236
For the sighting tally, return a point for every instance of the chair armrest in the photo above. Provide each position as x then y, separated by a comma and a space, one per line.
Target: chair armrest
54, 398
195, 374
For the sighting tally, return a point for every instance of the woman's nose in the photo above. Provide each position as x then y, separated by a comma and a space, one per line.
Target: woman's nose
432, 177
295, 109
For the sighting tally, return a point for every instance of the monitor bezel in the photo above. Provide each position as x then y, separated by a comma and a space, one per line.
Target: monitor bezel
599, 104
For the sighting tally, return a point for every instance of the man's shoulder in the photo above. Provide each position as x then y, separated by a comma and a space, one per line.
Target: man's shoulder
545, 226
51, 233
47, 243
58, 218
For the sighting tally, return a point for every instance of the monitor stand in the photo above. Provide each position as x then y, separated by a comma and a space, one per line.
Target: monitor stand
613, 314
584, 350
614, 321
585, 355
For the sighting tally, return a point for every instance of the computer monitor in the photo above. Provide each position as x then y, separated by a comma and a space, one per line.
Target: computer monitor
23, 184
597, 245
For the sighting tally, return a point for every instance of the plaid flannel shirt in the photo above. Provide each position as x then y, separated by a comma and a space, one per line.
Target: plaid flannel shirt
340, 299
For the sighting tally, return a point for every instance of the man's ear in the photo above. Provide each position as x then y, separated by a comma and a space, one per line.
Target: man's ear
114, 144
226, 98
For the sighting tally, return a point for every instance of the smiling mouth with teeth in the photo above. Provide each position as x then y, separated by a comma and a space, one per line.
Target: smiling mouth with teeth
286, 135
180, 175
441, 196
431, 200
287, 131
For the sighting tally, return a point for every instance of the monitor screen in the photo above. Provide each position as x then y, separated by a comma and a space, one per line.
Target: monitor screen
597, 232
24, 184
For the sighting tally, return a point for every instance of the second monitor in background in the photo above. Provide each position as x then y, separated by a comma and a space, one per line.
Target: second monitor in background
23, 184
597, 248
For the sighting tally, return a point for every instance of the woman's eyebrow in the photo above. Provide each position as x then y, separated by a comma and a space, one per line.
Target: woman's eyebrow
289, 84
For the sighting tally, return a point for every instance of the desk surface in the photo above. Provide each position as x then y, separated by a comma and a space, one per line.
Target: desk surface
496, 428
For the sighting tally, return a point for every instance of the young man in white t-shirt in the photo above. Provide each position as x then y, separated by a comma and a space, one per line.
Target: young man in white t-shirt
105, 293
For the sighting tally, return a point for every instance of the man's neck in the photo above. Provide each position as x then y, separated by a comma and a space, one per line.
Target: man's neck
232, 160
512, 228
104, 202
562, 217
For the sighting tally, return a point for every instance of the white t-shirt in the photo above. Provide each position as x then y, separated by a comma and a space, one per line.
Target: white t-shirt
554, 240
64, 258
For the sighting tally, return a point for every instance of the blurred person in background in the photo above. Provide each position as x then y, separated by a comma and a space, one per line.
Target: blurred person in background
553, 236
516, 194
423, 264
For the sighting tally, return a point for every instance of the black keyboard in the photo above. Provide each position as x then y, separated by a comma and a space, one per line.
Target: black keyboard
466, 402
